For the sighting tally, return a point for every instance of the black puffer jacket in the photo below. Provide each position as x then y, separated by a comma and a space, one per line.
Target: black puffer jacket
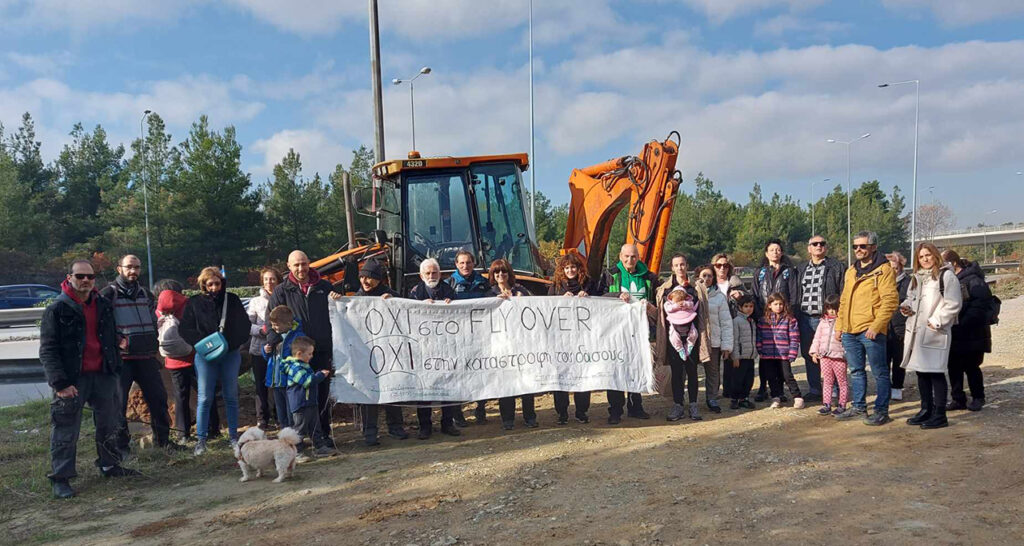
202, 318
898, 322
312, 312
972, 332
767, 280
593, 287
62, 340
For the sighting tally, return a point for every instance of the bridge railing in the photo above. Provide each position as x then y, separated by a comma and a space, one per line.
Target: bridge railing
980, 230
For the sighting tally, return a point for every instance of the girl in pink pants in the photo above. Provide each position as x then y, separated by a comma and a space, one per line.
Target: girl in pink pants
829, 353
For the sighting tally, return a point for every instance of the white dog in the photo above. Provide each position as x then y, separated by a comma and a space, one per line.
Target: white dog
255, 453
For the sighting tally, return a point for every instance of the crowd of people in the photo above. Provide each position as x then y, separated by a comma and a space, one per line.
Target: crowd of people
933, 320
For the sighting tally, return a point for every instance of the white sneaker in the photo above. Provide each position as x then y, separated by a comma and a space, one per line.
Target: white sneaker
897, 394
776, 403
798, 403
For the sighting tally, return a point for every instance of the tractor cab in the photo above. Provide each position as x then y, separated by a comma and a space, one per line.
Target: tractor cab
434, 207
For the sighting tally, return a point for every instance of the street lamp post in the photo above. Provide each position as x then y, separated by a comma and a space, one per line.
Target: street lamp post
412, 102
533, 155
145, 195
849, 225
984, 238
913, 211
813, 182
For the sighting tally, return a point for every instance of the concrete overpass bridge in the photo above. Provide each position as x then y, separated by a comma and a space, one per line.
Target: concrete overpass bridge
981, 236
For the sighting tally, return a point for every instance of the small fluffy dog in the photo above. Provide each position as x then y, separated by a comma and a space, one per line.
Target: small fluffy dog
255, 453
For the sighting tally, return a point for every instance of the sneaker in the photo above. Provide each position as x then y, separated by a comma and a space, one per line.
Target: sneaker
563, 419
825, 410
976, 404
896, 394
582, 417
877, 419
735, 404
747, 404
508, 425
424, 433
714, 407
118, 471
851, 413
460, 420
812, 397
695, 413
398, 433
370, 441
614, 419
838, 411
956, 405
174, 447
761, 397
324, 451
676, 413
531, 423
200, 447
62, 489
451, 431
303, 458
798, 403
233, 443
776, 403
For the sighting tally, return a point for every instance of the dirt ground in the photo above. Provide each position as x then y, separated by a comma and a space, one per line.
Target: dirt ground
774, 476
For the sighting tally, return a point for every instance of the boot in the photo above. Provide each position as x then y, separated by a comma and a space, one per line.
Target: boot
938, 418
976, 404
921, 417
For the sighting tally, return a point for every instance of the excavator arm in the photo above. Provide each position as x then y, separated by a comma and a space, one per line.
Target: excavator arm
648, 184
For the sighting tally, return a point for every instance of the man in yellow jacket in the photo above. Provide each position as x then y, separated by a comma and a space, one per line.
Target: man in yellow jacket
868, 300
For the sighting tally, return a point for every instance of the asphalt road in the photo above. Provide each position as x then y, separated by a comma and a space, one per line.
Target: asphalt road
12, 394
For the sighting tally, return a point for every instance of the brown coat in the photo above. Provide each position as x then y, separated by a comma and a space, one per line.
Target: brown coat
661, 342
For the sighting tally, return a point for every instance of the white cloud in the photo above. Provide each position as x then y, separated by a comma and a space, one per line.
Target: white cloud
780, 25
308, 17
959, 12
41, 64
719, 11
80, 15
318, 152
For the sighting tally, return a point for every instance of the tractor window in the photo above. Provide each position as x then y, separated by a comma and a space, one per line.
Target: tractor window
438, 216
503, 228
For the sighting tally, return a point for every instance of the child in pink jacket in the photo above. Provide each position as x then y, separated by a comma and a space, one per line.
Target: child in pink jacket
829, 353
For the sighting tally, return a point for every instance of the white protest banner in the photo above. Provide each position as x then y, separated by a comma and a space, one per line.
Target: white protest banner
398, 350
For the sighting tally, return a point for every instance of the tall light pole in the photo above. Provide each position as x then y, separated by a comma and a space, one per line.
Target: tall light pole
412, 101
913, 211
533, 156
375, 84
984, 237
813, 182
849, 225
145, 194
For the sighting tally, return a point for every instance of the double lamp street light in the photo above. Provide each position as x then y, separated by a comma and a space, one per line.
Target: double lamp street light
849, 229
412, 104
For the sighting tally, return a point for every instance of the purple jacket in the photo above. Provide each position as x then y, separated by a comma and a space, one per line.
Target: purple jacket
778, 337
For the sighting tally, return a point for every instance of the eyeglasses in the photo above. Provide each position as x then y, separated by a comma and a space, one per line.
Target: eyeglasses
817, 243
83, 276
131, 267
720, 266
861, 247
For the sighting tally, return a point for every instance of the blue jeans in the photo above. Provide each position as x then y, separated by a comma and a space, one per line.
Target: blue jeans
808, 325
861, 351
208, 374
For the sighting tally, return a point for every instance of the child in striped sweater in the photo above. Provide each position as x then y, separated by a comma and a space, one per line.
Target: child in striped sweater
778, 343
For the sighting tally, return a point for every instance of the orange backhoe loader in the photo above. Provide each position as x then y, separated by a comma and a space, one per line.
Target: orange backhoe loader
434, 207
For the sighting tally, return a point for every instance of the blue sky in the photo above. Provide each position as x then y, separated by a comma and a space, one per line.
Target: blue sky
754, 86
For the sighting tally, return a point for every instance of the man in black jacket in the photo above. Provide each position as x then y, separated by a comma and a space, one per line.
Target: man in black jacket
305, 293
820, 277
78, 351
371, 282
135, 316
431, 289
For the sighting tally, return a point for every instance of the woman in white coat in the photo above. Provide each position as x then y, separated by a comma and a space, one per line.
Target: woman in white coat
932, 304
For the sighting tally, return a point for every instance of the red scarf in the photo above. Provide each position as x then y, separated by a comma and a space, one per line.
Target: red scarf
312, 278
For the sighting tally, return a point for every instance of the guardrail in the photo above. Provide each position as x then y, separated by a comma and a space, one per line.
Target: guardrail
21, 317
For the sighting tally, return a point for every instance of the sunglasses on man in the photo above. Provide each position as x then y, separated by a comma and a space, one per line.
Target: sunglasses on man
83, 276
817, 243
861, 247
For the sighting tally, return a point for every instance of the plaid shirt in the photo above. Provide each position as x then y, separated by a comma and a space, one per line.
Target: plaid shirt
811, 299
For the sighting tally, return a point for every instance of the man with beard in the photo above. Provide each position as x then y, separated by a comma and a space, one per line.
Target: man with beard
431, 289
135, 316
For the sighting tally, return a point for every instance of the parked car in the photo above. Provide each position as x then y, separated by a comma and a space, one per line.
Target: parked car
18, 296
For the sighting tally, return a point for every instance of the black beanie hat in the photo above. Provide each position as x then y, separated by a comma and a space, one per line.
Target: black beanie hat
373, 269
